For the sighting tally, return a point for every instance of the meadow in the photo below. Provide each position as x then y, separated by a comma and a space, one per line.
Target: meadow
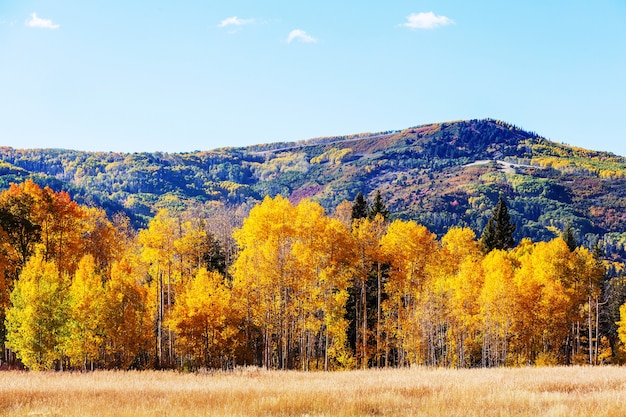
559, 391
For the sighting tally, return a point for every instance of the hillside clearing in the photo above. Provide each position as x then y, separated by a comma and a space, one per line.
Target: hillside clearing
503, 166
563, 391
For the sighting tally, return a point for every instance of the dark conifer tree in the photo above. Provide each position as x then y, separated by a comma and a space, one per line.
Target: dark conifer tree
488, 238
359, 211
499, 231
598, 253
213, 255
375, 281
359, 207
569, 238
378, 207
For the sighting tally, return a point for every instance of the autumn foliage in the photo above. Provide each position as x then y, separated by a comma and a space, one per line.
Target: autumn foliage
306, 291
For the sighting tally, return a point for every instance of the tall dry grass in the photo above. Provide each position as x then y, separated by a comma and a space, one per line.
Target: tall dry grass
572, 391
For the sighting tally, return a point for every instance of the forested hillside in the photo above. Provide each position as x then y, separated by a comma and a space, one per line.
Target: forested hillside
440, 175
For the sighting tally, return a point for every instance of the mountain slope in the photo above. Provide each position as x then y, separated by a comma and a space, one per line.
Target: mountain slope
441, 174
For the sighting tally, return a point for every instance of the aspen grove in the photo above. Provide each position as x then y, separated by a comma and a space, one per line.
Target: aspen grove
291, 288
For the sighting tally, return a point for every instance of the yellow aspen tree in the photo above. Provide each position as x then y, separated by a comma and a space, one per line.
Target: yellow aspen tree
497, 307
621, 324
36, 321
343, 213
552, 294
207, 320
128, 325
461, 255
563, 295
459, 243
85, 315
528, 327
322, 254
334, 279
465, 307
444, 329
409, 248
292, 274
103, 239
590, 273
189, 246
434, 313
308, 262
263, 278
159, 252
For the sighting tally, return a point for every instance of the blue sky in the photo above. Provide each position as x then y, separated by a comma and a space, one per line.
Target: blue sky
180, 76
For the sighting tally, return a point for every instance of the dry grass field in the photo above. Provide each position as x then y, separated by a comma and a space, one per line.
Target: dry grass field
572, 391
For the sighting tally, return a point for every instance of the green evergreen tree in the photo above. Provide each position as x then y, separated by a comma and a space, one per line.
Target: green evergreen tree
213, 255
359, 211
359, 207
569, 238
499, 231
378, 207
598, 253
488, 238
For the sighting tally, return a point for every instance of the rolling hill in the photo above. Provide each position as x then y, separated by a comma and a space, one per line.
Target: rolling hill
441, 174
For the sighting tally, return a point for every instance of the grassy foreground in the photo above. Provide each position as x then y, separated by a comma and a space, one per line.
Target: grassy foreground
581, 391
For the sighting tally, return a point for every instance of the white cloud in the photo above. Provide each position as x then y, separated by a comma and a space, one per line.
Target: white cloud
38, 22
302, 36
427, 20
234, 21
